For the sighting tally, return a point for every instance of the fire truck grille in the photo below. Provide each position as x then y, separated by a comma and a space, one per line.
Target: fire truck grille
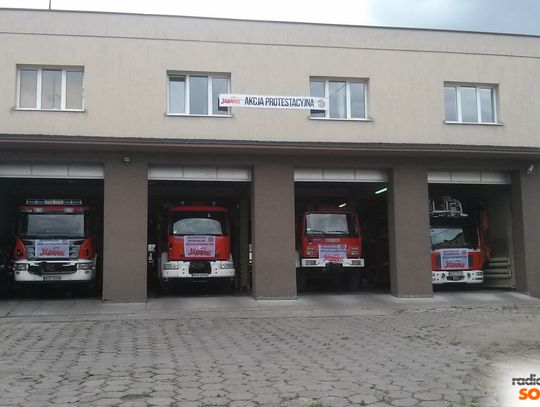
200, 266
74, 248
52, 268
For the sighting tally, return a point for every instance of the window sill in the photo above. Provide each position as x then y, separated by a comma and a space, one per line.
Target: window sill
474, 123
336, 119
220, 116
22, 109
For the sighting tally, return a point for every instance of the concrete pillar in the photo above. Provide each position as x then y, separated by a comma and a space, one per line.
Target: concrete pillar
125, 218
272, 211
408, 227
525, 199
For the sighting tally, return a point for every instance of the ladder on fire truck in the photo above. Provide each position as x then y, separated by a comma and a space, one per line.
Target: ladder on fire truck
446, 207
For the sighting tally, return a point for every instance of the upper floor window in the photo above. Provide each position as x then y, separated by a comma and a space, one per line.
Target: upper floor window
469, 103
50, 88
346, 98
194, 94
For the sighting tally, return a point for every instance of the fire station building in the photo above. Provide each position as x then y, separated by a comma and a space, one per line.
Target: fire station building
124, 110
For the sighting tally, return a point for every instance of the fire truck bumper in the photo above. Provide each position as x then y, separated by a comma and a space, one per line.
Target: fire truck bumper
347, 263
198, 269
54, 271
457, 276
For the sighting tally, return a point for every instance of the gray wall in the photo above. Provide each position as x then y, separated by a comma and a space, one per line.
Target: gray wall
274, 272
408, 227
125, 229
126, 68
525, 198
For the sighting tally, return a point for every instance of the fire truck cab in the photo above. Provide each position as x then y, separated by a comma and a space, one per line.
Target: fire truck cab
55, 241
458, 244
329, 242
198, 245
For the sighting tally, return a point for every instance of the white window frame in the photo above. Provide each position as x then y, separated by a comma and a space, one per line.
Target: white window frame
347, 98
63, 90
186, 76
477, 87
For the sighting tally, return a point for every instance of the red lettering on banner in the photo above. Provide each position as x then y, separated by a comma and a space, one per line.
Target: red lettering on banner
51, 252
235, 101
198, 252
455, 264
333, 258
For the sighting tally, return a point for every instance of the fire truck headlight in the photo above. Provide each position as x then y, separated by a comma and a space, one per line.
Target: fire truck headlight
170, 266
21, 266
311, 262
86, 266
226, 265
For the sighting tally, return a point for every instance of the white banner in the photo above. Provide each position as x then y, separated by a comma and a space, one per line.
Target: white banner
273, 102
199, 246
51, 248
454, 259
334, 253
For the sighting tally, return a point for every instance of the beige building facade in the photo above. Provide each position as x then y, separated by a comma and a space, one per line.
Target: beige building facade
414, 109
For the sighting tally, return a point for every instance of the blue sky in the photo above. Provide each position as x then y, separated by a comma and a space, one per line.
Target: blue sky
506, 16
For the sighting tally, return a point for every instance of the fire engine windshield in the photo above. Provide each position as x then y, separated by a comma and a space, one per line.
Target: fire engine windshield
335, 224
447, 235
199, 223
69, 225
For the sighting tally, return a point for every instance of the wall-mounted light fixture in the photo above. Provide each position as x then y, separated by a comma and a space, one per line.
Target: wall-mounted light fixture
343, 205
126, 160
530, 170
380, 191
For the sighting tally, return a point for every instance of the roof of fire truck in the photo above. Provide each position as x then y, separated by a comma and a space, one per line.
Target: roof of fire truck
54, 205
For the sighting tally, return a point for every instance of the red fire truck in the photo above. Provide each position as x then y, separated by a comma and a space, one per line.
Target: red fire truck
328, 243
55, 242
459, 249
198, 245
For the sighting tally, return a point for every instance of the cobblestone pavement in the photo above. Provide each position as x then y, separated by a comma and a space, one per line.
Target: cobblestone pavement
414, 357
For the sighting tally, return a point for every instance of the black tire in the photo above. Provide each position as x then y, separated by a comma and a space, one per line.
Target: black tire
164, 287
353, 280
301, 280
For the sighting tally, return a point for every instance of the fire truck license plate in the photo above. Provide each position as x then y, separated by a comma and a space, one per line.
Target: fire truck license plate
455, 273
199, 275
52, 278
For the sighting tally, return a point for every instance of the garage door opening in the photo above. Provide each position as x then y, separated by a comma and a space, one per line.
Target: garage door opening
51, 234
471, 231
341, 230
199, 232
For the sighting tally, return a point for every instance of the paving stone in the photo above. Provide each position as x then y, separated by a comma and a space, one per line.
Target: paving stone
242, 403
438, 403
405, 402
215, 401
160, 401
400, 359
427, 396
365, 399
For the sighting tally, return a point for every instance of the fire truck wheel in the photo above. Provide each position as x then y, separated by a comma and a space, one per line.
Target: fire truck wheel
164, 287
353, 280
301, 280
91, 289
